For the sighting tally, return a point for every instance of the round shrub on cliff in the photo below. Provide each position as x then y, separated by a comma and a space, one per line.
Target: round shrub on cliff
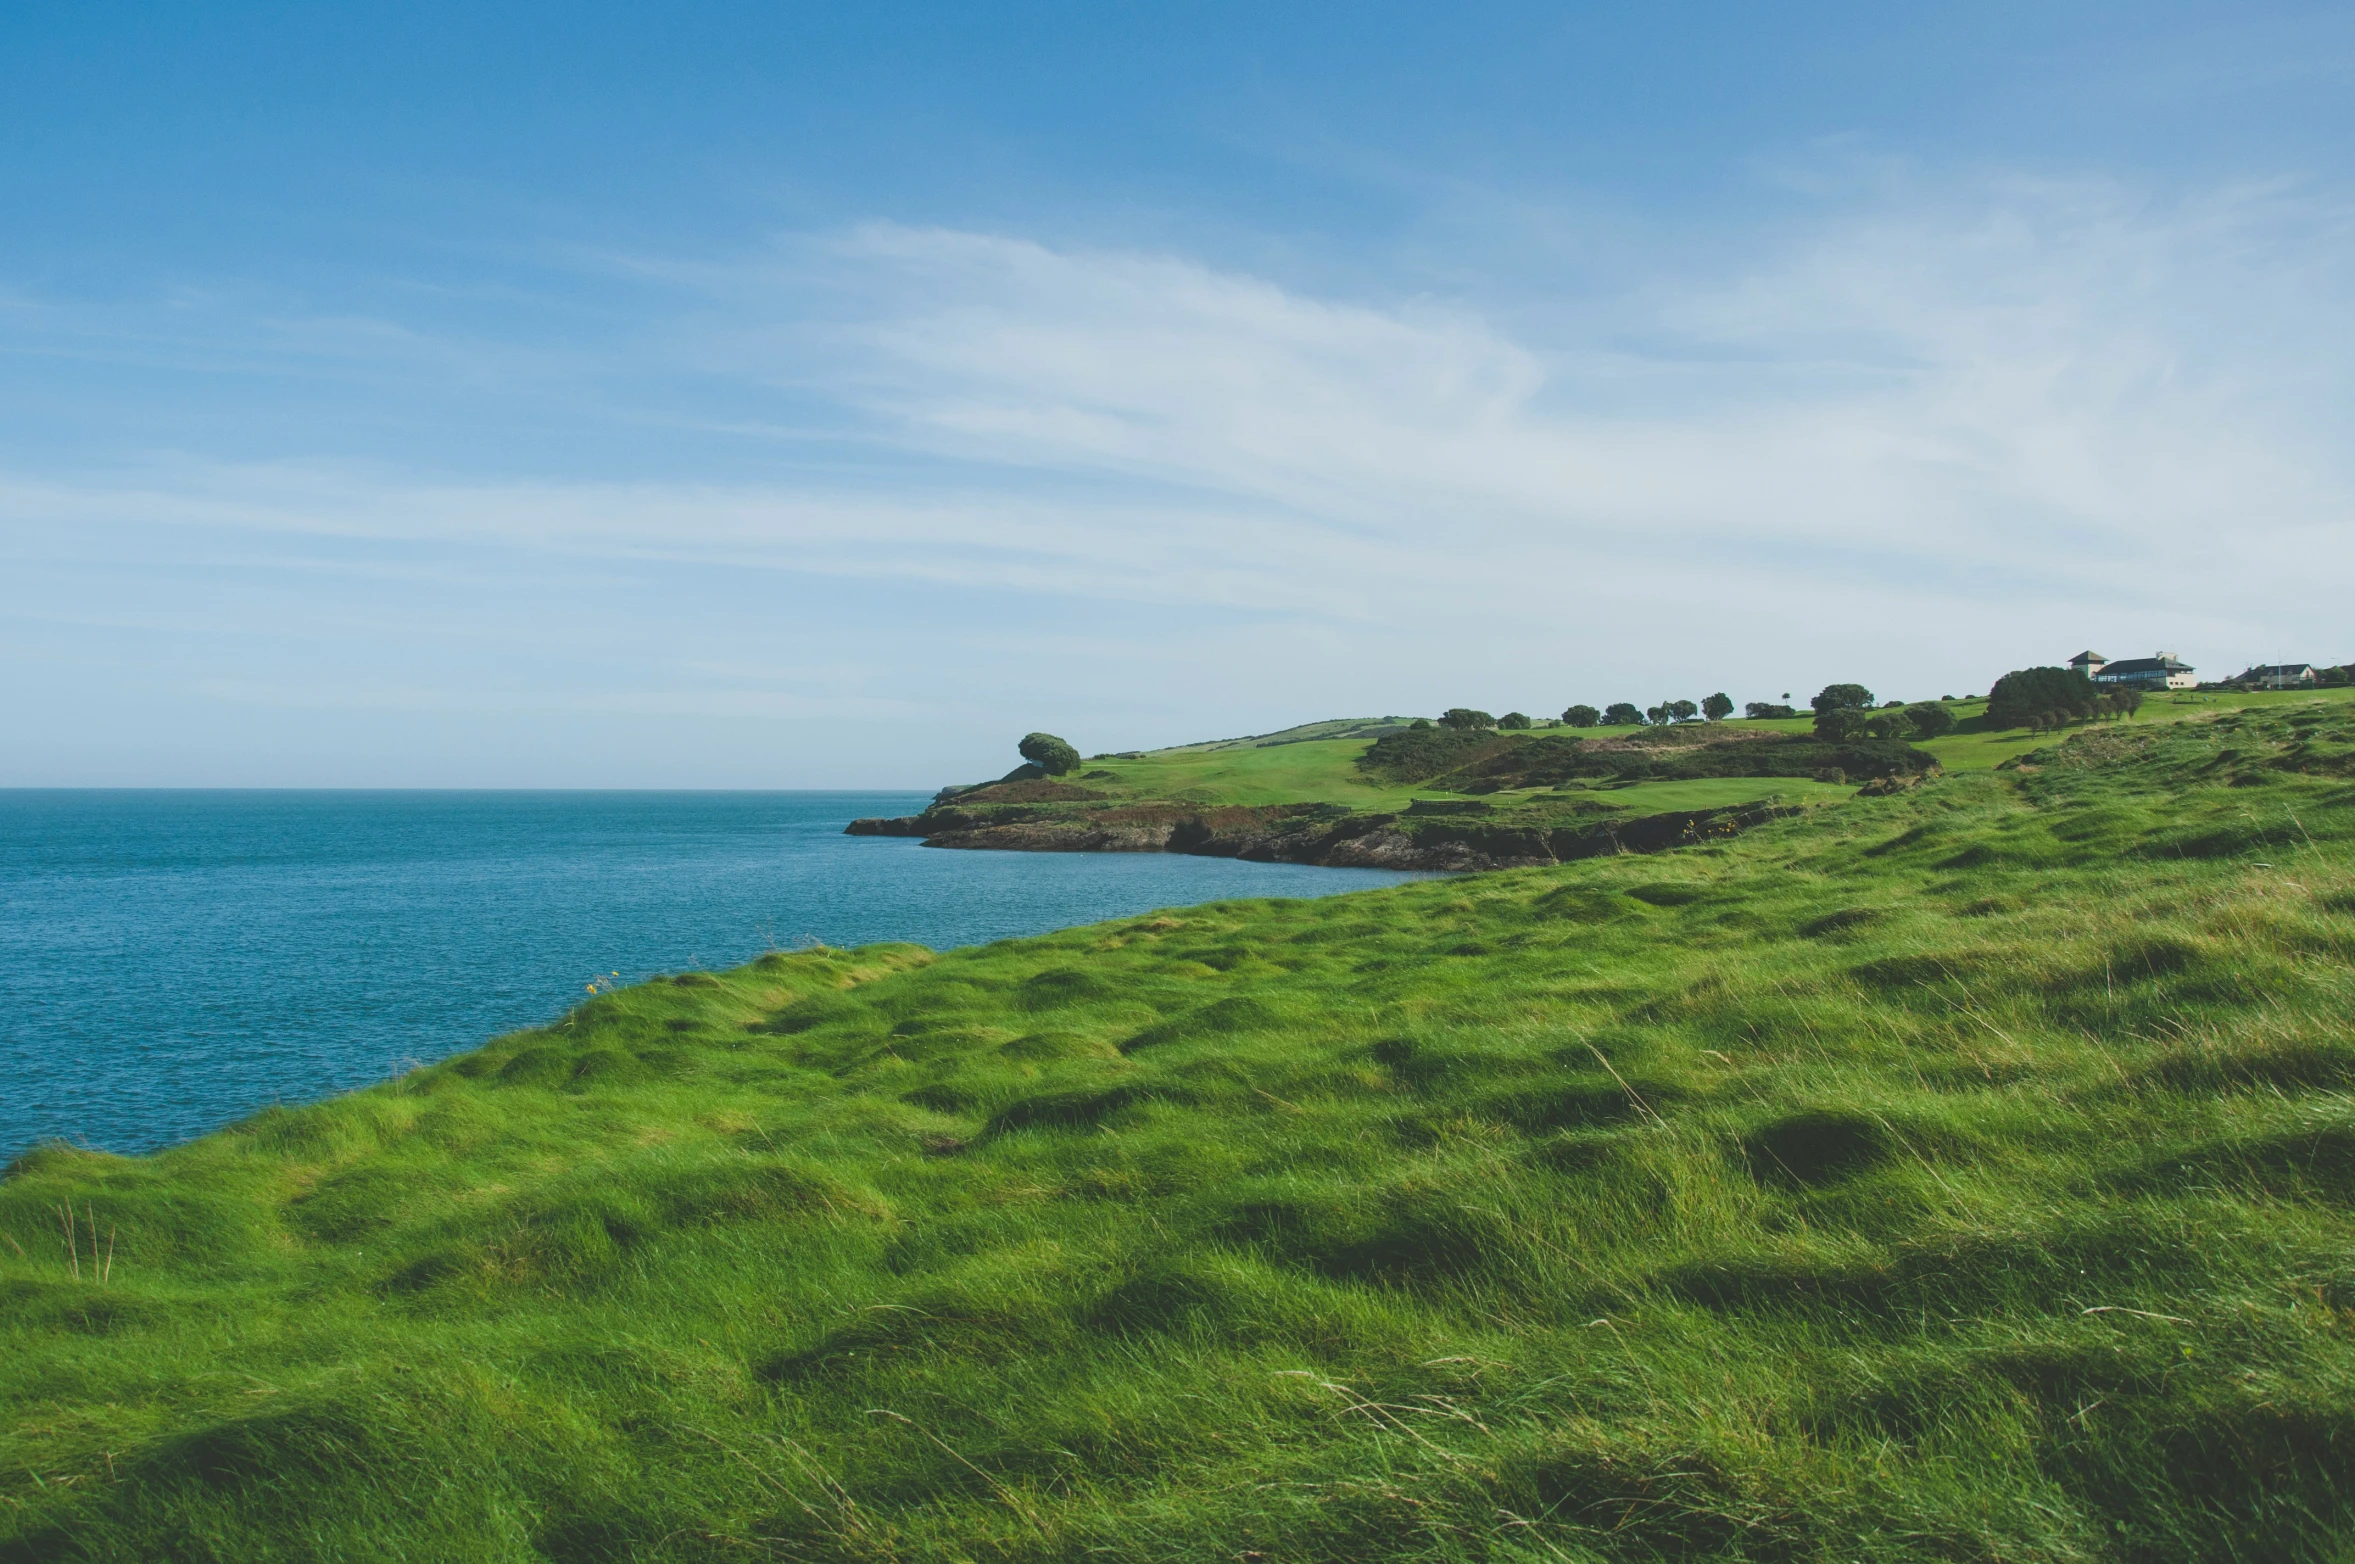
1839, 724
1889, 724
1841, 697
1049, 753
2038, 692
1929, 719
1582, 716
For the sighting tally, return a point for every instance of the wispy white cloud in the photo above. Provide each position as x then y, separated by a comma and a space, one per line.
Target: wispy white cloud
2055, 366
1922, 426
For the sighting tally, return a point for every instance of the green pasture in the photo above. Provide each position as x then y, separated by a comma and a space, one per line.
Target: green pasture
1706, 793
1315, 771
1971, 747
1966, 1174
1325, 770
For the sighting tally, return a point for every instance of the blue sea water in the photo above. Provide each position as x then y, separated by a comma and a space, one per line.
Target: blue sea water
172, 961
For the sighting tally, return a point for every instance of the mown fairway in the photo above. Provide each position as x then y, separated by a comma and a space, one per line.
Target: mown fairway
1963, 1174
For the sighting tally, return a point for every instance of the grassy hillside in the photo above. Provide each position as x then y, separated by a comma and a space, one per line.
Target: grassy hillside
1961, 1174
1308, 771
1305, 765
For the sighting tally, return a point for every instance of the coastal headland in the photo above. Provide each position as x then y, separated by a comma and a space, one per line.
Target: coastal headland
1389, 793
1384, 794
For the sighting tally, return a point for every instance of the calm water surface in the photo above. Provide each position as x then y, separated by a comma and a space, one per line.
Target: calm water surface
172, 961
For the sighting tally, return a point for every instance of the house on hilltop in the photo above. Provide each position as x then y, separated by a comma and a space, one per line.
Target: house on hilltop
2279, 676
2088, 663
2165, 671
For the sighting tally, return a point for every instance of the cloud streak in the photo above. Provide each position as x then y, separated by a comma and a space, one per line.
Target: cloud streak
1910, 428
2053, 367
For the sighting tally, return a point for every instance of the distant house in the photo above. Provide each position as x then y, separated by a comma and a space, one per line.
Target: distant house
2088, 663
2163, 672
2278, 676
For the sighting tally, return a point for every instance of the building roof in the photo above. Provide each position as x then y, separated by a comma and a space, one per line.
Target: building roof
2087, 657
2267, 670
2164, 663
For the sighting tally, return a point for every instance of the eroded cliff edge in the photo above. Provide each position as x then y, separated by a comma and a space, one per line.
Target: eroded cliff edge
1331, 835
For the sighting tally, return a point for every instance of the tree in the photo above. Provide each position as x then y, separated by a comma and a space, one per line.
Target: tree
1049, 753
1582, 716
1622, 714
1465, 720
1841, 723
2038, 692
1888, 724
1657, 716
1929, 719
1718, 707
1683, 711
1757, 710
1842, 697
1513, 719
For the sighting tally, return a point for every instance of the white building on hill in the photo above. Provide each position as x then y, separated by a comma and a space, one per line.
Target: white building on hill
2164, 671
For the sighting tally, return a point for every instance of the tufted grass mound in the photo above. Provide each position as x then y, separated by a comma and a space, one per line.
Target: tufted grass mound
1964, 1174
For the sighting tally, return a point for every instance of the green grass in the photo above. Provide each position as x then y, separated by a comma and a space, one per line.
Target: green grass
1292, 770
1316, 771
1326, 772
1971, 747
1701, 793
1963, 1174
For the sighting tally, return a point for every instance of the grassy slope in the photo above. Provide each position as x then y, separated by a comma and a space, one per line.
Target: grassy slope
1971, 747
1324, 770
1963, 1174
1317, 771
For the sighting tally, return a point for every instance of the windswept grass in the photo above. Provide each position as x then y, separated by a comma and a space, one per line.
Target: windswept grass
1964, 1174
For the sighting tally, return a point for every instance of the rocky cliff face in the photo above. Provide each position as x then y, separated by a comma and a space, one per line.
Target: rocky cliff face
1325, 834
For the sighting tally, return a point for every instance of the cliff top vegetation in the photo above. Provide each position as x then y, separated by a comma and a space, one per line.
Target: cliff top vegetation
1322, 762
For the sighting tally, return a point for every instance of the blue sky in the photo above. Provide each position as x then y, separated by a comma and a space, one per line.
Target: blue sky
516, 395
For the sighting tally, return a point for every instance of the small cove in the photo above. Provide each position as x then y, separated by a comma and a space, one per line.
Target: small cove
171, 961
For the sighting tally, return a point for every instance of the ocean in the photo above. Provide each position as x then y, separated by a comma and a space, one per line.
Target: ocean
172, 961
